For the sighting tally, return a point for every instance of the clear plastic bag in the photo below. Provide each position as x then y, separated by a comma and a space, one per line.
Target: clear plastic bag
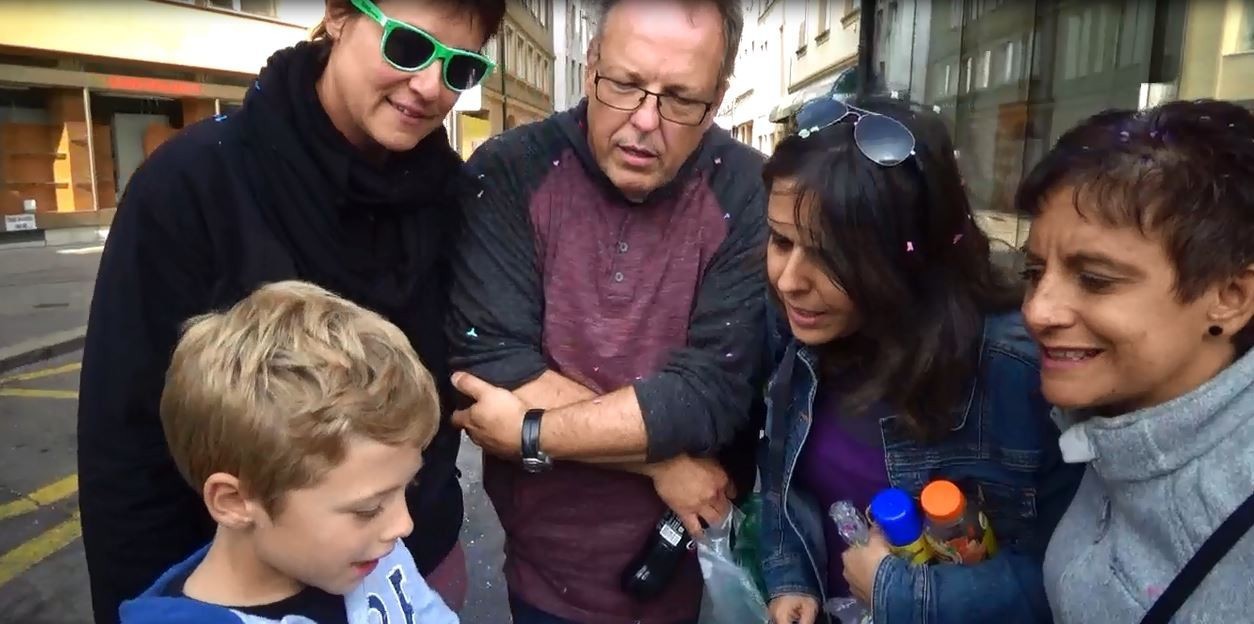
731, 596
847, 611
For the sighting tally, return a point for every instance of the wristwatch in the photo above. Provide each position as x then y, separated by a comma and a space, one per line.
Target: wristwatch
534, 460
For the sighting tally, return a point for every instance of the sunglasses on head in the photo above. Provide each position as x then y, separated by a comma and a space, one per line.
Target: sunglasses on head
411, 49
881, 139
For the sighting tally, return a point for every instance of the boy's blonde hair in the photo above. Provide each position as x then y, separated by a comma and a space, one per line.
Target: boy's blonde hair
273, 389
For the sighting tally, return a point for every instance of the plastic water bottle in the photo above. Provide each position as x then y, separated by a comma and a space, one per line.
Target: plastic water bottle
849, 523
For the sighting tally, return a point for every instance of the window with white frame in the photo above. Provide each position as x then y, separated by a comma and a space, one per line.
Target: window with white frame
984, 69
1010, 60
1245, 41
943, 87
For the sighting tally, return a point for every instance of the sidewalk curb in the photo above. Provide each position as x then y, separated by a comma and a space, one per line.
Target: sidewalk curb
42, 348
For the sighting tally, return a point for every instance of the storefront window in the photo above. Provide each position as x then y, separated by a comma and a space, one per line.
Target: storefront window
1011, 77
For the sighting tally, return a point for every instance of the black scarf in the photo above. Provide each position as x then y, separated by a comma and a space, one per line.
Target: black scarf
358, 227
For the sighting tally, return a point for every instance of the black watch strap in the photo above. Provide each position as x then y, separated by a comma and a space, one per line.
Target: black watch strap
531, 434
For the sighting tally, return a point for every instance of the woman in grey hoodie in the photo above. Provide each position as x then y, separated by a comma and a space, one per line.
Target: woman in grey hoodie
1140, 267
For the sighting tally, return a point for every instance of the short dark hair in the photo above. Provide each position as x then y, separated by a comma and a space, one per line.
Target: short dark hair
731, 11
1184, 170
902, 243
488, 13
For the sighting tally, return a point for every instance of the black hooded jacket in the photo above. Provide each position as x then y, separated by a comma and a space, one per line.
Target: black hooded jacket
271, 192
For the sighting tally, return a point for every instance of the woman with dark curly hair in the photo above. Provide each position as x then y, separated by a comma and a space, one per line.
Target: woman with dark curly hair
1140, 271
902, 360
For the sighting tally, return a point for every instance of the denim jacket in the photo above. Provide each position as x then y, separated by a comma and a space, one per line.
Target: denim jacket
1002, 451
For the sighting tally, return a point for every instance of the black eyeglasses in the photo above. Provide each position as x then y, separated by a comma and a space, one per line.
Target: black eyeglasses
411, 49
882, 139
628, 97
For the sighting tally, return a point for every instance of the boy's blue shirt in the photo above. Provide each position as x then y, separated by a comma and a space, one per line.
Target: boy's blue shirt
394, 593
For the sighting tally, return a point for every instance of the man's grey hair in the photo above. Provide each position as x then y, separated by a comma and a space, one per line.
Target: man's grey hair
731, 11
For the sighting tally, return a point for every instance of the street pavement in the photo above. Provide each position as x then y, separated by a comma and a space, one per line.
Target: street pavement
44, 290
43, 577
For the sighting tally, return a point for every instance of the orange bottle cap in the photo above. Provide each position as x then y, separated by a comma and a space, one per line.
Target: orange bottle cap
943, 502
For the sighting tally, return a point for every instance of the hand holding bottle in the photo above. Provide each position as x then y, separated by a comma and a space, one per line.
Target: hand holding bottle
861, 564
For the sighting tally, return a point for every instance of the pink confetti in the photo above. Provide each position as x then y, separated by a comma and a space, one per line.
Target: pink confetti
718, 161
909, 246
556, 163
957, 238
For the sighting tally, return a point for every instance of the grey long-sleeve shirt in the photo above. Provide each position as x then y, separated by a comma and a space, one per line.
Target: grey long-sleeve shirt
1159, 482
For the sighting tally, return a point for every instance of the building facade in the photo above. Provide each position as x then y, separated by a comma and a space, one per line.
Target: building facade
823, 38
1010, 77
573, 30
89, 89
789, 54
521, 90
83, 99
760, 81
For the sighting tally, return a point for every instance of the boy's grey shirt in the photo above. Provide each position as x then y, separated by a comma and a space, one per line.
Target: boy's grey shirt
1158, 484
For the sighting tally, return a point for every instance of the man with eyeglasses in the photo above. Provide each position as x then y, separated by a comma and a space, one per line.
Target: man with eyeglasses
608, 301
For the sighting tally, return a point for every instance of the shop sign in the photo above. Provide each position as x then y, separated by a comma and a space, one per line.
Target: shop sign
19, 222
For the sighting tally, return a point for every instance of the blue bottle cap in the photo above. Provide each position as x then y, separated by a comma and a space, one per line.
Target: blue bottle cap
897, 516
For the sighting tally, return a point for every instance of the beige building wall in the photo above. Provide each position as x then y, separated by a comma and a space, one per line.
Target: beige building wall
760, 81
171, 33
572, 31
824, 40
1218, 55
525, 53
521, 91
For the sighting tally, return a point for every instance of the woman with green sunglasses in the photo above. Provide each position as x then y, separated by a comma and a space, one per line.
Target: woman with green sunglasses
336, 171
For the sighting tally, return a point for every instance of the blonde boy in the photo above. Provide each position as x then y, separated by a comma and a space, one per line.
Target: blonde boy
300, 418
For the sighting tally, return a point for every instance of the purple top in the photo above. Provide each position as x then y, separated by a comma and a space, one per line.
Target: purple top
843, 459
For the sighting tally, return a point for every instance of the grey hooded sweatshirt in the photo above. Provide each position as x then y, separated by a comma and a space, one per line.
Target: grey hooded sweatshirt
1159, 482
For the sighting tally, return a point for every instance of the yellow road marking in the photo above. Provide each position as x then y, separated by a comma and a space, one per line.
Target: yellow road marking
17, 561
30, 393
40, 374
45, 495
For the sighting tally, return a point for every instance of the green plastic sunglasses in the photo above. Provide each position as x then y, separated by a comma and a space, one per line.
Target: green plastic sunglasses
411, 49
